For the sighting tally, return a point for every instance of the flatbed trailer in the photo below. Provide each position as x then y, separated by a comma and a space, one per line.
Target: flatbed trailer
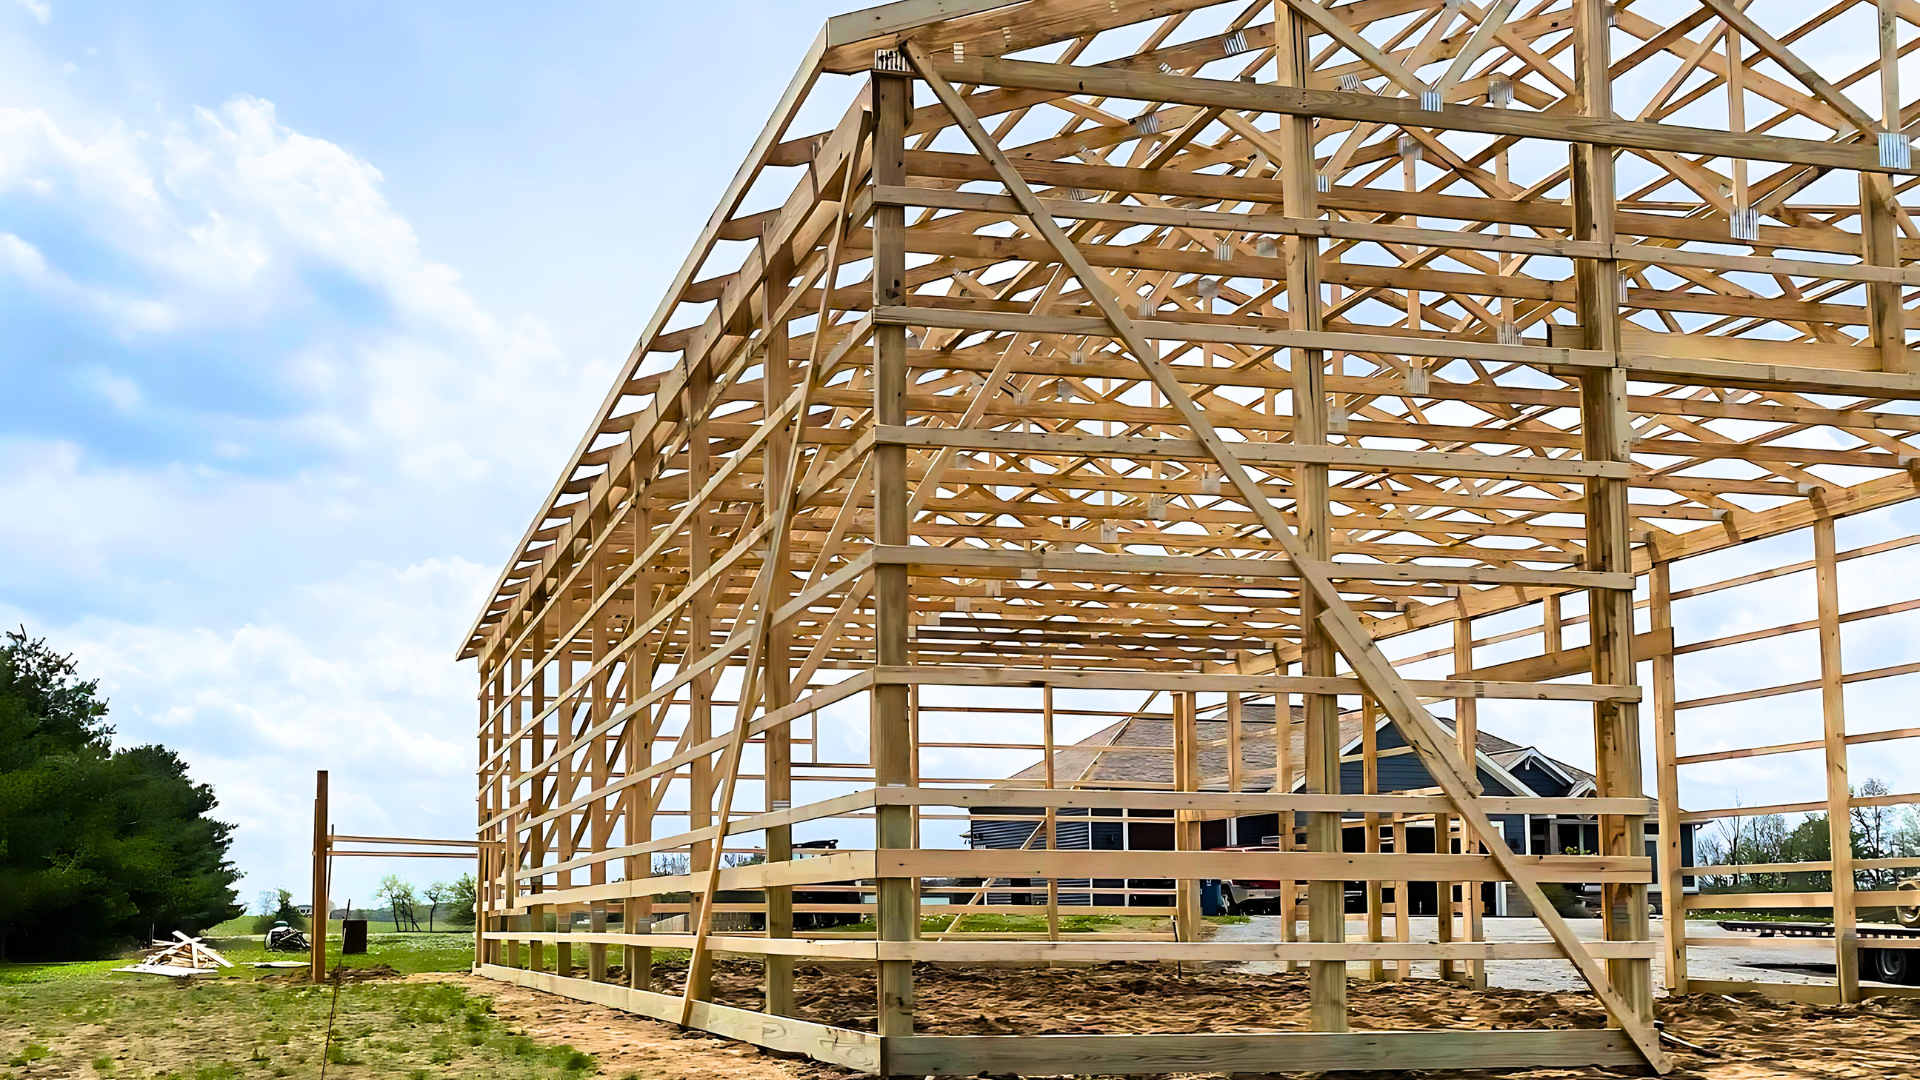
1890, 963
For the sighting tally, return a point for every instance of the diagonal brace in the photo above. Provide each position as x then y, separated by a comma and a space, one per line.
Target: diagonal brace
1368, 662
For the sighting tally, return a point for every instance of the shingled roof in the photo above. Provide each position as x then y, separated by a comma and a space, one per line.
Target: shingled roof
1095, 760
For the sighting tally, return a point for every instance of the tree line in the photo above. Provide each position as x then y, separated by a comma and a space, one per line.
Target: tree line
404, 901
451, 902
1875, 832
99, 847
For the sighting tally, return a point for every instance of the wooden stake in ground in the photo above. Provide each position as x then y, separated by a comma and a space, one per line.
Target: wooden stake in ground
318, 969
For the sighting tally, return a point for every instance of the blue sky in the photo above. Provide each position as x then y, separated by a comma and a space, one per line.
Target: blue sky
303, 306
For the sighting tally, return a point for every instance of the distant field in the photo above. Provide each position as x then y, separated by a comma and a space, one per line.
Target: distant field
242, 926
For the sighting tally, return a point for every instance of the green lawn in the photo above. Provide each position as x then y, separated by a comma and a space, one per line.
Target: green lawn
85, 1020
242, 926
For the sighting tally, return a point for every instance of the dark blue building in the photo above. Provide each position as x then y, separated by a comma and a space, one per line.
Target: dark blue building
1136, 754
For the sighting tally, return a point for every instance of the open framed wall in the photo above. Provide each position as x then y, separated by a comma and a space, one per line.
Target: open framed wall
1796, 592
1101, 352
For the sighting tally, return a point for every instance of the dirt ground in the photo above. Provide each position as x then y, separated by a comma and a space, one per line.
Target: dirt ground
1748, 1038
623, 1044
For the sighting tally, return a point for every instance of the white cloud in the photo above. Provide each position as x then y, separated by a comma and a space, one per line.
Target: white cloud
21, 258
39, 9
316, 446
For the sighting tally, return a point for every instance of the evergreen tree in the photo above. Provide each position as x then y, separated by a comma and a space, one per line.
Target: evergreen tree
98, 847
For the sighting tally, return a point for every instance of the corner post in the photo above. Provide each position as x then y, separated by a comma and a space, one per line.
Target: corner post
1607, 433
776, 381
1326, 900
892, 737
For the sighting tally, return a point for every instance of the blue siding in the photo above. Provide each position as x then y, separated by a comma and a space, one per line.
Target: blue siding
1404, 772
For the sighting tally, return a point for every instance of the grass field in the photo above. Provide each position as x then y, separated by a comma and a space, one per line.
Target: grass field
242, 926
85, 1020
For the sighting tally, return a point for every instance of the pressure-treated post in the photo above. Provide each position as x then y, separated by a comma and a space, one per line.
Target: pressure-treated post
1826, 569
321, 842
1052, 819
891, 737
701, 854
537, 795
510, 801
1326, 900
1667, 780
1186, 828
1370, 785
1607, 436
1466, 732
636, 915
776, 667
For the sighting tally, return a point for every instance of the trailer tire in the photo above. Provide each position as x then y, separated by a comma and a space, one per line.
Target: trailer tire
1908, 915
1890, 966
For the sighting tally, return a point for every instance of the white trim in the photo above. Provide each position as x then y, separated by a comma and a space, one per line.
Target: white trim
1532, 753
1481, 758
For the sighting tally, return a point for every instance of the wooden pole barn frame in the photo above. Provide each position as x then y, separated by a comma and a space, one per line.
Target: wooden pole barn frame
1182, 352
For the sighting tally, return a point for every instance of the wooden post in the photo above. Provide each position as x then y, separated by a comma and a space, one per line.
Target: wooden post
563, 787
596, 952
1234, 747
1370, 785
1667, 780
489, 695
777, 665
1880, 213
1607, 436
1879, 239
600, 759
1326, 900
636, 914
1737, 122
322, 842
1402, 902
892, 95
1466, 736
1839, 795
702, 854
540, 793
1053, 816
1283, 784
1186, 827
516, 772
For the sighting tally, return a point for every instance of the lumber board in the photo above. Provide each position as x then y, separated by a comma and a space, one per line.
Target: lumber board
856, 1050
1407, 113
1262, 865
1256, 1053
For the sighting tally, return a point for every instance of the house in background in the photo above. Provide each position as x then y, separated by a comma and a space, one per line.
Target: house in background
1136, 754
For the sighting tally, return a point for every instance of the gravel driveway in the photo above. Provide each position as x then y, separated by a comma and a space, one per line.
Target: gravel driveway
1808, 963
